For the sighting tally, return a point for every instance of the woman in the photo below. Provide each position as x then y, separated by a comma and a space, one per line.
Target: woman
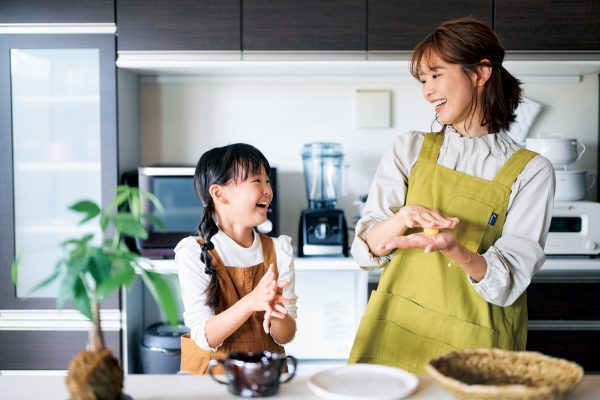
486, 202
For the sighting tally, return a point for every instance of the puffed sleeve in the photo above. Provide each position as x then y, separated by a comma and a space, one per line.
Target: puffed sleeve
193, 282
519, 253
386, 195
285, 268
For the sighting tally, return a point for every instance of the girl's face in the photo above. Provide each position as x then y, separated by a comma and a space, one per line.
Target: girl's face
248, 200
450, 92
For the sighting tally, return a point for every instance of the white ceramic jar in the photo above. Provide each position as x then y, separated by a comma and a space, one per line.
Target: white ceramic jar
572, 185
559, 150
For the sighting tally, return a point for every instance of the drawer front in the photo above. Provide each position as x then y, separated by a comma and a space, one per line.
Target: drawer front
578, 346
573, 301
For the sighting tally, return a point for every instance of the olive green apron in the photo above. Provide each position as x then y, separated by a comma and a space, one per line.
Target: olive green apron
423, 307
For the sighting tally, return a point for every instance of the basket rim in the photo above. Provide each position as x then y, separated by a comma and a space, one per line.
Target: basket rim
513, 388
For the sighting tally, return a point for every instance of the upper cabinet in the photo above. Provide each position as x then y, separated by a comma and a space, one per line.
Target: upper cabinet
548, 25
308, 25
176, 25
396, 25
57, 11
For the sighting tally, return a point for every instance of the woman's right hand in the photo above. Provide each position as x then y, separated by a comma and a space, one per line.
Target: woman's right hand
415, 215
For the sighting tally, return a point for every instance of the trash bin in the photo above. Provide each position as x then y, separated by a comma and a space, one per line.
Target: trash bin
160, 348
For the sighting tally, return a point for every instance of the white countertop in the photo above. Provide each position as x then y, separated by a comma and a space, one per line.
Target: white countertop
552, 265
186, 387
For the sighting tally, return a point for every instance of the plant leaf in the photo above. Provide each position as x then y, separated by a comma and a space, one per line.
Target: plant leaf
14, 269
100, 267
124, 276
87, 207
162, 294
75, 266
129, 226
51, 278
153, 199
81, 299
121, 198
155, 221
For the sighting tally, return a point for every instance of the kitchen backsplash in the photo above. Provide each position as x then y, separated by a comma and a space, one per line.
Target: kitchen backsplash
181, 117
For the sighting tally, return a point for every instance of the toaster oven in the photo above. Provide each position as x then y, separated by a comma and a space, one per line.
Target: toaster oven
574, 229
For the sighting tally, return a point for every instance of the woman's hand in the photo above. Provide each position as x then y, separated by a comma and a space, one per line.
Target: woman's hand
443, 241
415, 215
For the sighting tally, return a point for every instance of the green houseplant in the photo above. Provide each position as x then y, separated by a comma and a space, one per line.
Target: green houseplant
88, 273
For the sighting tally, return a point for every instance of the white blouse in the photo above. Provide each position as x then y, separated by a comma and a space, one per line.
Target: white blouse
519, 253
194, 281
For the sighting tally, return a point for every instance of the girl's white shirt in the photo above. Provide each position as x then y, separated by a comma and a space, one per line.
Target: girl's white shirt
194, 281
519, 253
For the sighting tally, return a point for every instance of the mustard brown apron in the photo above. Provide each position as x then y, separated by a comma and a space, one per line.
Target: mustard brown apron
422, 307
235, 283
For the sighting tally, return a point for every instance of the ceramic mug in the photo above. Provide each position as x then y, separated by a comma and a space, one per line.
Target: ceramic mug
559, 150
253, 374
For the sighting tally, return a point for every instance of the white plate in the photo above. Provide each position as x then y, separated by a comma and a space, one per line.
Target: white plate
363, 381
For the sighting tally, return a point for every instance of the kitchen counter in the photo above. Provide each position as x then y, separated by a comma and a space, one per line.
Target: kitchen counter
552, 266
180, 387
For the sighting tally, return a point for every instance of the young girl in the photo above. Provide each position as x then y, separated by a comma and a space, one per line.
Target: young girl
237, 285
485, 203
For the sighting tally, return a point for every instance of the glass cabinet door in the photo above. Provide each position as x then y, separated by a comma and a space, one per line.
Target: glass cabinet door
58, 147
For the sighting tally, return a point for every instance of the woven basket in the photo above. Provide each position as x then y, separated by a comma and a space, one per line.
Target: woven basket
489, 374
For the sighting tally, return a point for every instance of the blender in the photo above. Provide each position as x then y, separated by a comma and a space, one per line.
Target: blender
322, 230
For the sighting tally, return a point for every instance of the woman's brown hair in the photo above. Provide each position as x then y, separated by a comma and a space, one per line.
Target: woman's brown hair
467, 41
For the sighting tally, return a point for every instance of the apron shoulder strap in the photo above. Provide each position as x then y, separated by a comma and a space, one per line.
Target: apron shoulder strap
432, 143
513, 167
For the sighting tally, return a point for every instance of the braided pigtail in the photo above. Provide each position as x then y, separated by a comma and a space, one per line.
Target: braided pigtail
207, 229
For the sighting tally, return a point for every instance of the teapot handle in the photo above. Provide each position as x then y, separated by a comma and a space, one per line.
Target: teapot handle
211, 365
580, 150
293, 373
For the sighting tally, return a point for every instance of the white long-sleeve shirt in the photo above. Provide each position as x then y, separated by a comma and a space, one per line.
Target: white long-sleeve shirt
518, 254
194, 281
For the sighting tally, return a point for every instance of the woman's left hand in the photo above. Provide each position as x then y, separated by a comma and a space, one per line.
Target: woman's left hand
441, 242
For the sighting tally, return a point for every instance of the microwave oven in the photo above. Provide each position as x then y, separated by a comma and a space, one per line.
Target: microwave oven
574, 229
173, 185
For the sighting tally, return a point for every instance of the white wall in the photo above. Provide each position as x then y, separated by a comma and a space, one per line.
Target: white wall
181, 117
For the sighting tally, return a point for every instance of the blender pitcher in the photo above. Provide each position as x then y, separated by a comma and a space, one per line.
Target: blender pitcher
323, 169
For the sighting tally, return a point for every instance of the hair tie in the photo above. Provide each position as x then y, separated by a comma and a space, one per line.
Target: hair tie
208, 270
208, 246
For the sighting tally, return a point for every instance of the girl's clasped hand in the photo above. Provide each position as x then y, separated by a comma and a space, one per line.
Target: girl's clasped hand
268, 297
417, 216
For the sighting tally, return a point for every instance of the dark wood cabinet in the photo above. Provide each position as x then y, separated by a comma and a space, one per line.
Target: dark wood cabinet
177, 25
57, 11
308, 25
564, 320
548, 25
401, 24
58, 144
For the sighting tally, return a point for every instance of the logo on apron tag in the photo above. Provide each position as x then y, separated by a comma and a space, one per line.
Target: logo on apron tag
493, 219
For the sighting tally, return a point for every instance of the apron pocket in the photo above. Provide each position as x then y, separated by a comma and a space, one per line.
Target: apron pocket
434, 325
474, 220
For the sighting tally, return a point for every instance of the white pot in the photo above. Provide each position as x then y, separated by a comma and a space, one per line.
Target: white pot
572, 185
560, 151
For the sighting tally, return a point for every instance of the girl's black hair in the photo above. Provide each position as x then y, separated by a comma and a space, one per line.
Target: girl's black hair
217, 167
467, 41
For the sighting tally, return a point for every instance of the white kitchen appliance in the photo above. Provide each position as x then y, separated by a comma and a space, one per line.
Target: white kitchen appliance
574, 229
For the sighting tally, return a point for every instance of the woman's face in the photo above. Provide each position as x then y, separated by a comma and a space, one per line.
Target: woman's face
450, 92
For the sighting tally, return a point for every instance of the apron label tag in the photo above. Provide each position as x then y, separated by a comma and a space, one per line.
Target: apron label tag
493, 218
